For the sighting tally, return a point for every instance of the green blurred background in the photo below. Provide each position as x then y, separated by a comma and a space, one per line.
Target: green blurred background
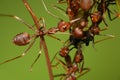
103, 60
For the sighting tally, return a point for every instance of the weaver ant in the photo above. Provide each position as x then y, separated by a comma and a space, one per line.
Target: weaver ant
78, 35
73, 69
103, 6
24, 38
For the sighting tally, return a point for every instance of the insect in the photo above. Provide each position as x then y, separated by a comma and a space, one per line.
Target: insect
72, 68
103, 7
75, 10
25, 38
80, 32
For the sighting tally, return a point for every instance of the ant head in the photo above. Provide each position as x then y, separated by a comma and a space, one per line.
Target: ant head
63, 26
96, 16
70, 12
95, 30
64, 51
75, 5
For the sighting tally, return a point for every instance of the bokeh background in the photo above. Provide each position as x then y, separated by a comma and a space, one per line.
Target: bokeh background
103, 59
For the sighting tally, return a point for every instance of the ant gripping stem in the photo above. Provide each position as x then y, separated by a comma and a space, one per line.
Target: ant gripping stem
35, 19
23, 39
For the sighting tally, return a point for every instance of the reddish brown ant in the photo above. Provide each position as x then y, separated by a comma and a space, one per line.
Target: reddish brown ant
24, 38
103, 7
72, 69
78, 35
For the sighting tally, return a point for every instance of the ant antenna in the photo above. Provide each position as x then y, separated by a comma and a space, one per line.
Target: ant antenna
18, 19
108, 37
49, 11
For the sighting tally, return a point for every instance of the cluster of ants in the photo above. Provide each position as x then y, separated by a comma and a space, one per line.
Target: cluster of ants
81, 13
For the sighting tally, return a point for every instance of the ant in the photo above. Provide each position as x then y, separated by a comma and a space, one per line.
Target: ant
97, 18
103, 6
72, 67
24, 38
76, 9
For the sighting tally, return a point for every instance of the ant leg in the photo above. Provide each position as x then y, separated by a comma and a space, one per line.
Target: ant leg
118, 4
49, 11
64, 66
61, 1
23, 54
39, 22
62, 63
83, 73
43, 23
62, 76
18, 19
109, 15
35, 61
109, 37
104, 29
56, 38
61, 10
54, 57
117, 14
35, 19
36, 58
82, 67
105, 23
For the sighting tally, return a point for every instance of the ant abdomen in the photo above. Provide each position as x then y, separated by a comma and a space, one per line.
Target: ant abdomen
77, 33
85, 4
21, 39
